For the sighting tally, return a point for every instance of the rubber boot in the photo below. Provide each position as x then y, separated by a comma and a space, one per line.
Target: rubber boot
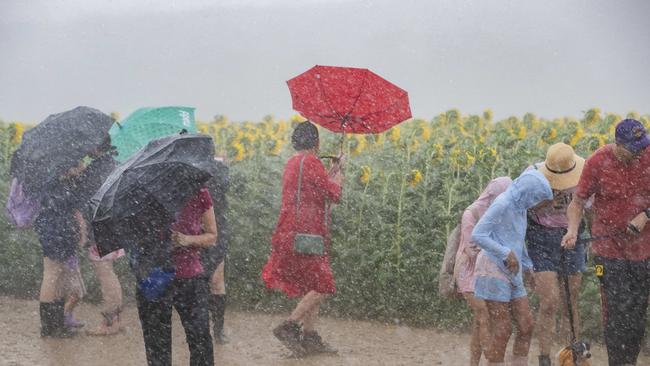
544, 360
217, 307
52, 320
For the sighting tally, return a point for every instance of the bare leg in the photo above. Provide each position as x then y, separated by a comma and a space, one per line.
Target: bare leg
110, 285
217, 281
311, 319
501, 326
525, 324
574, 287
547, 290
217, 304
112, 296
71, 302
51, 287
480, 330
312, 300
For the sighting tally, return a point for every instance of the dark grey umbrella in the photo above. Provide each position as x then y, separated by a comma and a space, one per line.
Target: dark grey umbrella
57, 144
141, 197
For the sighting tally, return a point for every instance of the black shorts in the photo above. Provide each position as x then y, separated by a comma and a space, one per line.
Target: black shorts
59, 252
545, 250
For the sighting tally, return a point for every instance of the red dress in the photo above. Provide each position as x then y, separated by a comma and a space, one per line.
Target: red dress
292, 273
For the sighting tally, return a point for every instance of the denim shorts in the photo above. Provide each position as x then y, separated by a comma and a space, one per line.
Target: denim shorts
545, 250
496, 289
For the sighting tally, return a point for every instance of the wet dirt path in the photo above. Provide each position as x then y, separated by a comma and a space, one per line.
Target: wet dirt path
359, 343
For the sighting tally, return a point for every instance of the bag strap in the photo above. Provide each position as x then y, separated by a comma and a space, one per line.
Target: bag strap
302, 162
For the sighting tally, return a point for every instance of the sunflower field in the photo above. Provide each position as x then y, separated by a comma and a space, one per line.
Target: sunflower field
404, 192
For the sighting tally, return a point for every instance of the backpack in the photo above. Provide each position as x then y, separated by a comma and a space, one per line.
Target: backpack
448, 269
21, 210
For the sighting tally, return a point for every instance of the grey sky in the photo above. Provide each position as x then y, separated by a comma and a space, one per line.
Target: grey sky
551, 57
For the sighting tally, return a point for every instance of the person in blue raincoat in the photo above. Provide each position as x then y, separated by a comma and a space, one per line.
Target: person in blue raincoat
500, 233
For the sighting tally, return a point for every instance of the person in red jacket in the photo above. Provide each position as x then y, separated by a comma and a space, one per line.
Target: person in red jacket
616, 175
305, 209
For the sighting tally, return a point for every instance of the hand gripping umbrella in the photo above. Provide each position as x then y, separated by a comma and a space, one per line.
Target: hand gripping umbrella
147, 191
348, 100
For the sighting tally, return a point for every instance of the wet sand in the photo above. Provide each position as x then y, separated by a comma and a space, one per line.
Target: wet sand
359, 342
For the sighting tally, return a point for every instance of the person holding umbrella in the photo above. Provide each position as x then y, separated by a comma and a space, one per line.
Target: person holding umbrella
299, 261
156, 206
60, 228
47, 163
343, 100
194, 229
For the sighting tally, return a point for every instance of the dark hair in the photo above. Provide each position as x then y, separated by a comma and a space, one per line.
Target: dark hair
305, 136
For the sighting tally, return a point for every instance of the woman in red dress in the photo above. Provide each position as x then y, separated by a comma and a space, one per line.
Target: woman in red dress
296, 274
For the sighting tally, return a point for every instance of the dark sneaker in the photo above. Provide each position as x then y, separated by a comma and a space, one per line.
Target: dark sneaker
314, 344
289, 334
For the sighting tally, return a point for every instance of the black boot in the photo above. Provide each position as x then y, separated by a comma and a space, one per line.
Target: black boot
217, 306
52, 324
46, 312
290, 334
314, 344
544, 360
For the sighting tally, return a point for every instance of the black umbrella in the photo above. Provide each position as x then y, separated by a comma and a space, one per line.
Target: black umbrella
141, 197
57, 144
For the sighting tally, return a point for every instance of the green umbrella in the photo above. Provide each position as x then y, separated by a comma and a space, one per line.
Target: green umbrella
146, 124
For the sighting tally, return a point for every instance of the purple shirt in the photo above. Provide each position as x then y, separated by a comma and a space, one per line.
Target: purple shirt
188, 260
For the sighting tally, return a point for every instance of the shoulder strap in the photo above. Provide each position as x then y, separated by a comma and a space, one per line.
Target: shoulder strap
302, 161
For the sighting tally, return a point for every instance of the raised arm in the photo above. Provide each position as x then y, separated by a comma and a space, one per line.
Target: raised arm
319, 176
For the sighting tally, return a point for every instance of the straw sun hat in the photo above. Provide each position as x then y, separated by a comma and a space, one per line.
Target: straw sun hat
562, 166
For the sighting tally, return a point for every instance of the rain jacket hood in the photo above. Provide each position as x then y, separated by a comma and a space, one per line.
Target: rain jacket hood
502, 229
490, 193
528, 190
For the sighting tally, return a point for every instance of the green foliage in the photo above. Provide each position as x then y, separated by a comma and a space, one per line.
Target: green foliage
403, 194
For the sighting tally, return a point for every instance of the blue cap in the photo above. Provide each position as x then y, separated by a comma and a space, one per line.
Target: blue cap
632, 135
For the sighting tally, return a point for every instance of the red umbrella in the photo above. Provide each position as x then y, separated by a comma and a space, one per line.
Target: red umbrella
350, 100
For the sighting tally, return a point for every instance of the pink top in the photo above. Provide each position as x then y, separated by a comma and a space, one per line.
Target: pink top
189, 222
554, 215
467, 249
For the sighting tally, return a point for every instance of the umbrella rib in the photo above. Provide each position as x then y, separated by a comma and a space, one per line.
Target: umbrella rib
363, 83
380, 111
320, 86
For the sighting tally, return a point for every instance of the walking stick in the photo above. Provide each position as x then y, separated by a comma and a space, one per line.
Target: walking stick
567, 294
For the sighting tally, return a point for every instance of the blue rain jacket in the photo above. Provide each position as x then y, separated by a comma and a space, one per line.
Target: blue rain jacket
502, 229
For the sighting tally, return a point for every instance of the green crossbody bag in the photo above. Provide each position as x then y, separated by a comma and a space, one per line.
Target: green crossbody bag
308, 244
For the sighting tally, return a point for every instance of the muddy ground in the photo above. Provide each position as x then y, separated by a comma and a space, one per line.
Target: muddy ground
359, 342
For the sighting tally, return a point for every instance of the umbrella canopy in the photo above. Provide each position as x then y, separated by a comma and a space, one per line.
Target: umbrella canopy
350, 100
146, 124
57, 144
152, 186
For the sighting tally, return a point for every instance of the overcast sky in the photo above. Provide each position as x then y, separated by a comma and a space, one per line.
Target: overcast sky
232, 57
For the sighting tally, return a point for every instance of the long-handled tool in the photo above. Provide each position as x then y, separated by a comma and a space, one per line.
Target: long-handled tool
577, 352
